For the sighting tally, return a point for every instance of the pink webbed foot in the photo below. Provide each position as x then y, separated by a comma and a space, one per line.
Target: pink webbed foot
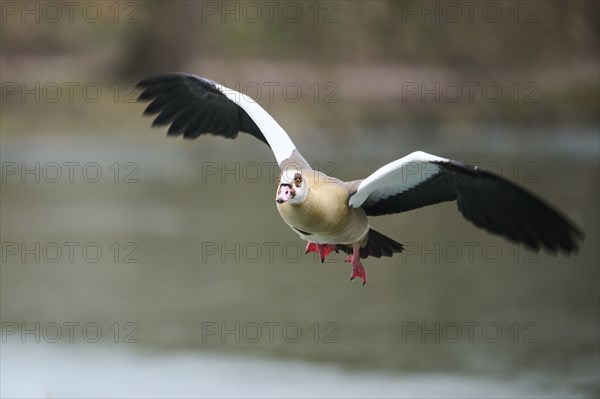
311, 247
358, 270
323, 249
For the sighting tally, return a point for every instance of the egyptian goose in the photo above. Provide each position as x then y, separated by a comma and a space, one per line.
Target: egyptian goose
332, 214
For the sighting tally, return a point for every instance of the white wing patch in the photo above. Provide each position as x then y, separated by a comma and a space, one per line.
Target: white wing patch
281, 144
396, 177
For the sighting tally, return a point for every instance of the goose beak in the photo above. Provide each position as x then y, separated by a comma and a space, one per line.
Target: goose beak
284, 194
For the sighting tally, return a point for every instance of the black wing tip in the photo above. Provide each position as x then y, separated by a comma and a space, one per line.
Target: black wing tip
153, 80
569, 249
167, 77
194, 106
563, 236
573, 245
565, 239
153, 86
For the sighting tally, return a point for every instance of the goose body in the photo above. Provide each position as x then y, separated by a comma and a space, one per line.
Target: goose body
325, 216
331, 214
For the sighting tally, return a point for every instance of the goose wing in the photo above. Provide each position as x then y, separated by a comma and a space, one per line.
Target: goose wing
193, 106
487, 200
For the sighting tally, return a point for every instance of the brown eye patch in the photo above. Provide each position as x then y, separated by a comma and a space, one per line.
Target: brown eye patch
297, 179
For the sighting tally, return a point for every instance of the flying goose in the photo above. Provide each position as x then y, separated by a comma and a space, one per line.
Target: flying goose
332, 214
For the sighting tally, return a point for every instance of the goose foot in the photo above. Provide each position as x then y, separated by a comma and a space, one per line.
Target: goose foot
322, 249
358, 270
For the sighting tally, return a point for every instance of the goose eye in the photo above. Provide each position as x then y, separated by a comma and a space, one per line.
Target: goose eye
297, 179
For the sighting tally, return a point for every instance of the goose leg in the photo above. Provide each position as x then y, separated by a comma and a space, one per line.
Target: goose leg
358, 270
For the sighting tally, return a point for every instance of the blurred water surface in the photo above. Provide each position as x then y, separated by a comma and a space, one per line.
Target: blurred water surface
220, 284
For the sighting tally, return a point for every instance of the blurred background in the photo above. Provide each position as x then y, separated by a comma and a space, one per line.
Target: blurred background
139, 265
